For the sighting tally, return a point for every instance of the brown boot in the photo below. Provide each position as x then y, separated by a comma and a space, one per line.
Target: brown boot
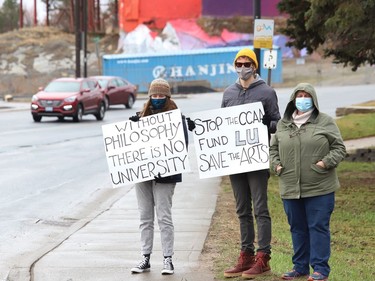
260, 267
245, 262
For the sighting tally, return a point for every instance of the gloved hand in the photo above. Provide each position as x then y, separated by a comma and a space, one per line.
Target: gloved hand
191, 124
134, 118
266, 120
158, 177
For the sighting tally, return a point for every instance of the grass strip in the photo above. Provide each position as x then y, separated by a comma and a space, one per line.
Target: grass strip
352, 225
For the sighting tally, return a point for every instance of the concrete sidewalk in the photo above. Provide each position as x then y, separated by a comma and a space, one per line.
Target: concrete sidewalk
107, 247
353, 145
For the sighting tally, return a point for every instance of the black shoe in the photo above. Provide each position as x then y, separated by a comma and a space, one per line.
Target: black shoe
167, 266
143, 266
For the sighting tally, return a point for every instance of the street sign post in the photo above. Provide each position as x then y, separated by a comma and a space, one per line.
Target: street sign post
263, 38
270, 59
269, 62
263, 33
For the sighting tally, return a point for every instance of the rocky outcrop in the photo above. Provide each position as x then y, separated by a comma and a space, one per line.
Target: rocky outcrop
33, 56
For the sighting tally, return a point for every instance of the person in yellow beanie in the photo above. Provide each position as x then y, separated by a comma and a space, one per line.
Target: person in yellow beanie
250, 188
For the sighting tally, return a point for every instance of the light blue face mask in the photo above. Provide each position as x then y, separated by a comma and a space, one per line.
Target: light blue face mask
304, 104
158, 103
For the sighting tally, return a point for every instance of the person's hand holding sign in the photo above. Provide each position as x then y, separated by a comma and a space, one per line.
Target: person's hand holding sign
191, 124
134, 118
266, 120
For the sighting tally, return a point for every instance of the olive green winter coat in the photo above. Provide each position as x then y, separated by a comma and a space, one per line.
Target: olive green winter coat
298, 150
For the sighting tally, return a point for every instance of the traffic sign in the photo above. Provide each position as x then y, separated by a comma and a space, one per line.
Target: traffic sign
263, 33
270, 59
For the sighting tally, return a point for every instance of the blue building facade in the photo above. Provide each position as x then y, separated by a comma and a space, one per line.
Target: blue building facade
214, 65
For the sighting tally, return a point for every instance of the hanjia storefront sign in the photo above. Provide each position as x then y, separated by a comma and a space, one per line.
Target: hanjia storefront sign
139, 151
231, 140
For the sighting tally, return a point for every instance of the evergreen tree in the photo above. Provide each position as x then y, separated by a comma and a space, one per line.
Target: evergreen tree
345, 29
9, 15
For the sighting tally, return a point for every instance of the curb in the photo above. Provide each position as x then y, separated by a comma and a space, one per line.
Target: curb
342, 111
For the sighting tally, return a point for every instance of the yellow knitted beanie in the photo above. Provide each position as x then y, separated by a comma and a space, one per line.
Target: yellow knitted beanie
246, 52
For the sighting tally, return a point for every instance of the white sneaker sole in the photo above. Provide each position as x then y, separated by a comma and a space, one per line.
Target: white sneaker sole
138, 270
166, 271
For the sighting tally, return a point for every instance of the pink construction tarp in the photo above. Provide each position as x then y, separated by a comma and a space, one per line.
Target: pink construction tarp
236, 39
186, 34
192, 36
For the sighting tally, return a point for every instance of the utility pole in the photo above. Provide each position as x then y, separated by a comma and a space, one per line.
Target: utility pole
21, 14
97, 23
47, 11
257, 15
84, 12
116, 13
78, 37
35, 14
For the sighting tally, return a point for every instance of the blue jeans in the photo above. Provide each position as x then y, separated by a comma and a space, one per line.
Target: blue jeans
309, 225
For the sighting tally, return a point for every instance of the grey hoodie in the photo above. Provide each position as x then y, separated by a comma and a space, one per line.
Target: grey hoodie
258, 91
298, 150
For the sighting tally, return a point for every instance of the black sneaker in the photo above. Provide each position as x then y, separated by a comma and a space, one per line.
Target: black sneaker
143, 266
167, 266
293, 274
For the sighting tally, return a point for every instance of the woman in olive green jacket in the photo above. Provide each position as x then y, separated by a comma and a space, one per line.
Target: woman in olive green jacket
304, 152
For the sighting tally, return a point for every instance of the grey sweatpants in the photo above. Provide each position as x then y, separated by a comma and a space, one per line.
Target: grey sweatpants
250, 190
155, 197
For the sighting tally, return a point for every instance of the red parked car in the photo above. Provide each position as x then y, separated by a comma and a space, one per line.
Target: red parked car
69, 97
117, 90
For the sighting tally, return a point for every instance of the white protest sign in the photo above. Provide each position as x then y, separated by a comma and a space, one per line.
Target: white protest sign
231, 140
139, 151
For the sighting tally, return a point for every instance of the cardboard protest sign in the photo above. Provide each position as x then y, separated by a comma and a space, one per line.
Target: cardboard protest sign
231, 140
139, 151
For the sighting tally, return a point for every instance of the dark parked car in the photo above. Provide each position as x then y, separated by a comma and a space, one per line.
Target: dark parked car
117, 90
69, 97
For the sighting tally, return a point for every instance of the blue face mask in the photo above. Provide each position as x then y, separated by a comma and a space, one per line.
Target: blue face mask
158, 103
304, 104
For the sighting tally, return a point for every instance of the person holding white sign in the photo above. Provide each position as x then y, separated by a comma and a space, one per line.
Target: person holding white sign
250, 188
304, 153
156, 195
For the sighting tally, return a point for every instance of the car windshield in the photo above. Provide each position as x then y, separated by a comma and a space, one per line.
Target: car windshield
63, 86
103, 83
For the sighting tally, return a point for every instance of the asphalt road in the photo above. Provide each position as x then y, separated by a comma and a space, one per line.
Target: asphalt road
52, 174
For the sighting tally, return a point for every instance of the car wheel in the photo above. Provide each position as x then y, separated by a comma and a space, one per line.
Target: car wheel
78, 115
130, 102
37, 118
101, 112
61, 118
